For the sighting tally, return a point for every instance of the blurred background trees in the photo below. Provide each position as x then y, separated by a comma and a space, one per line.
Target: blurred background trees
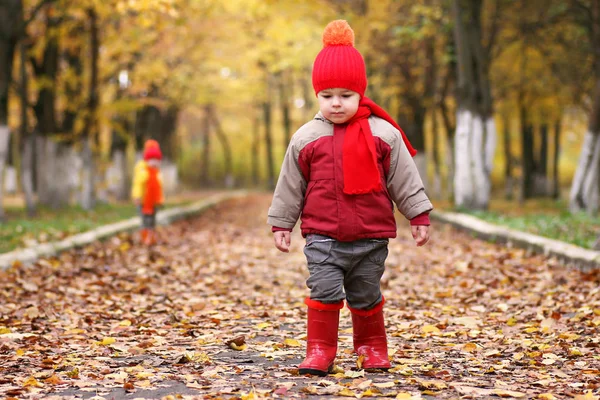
500, 98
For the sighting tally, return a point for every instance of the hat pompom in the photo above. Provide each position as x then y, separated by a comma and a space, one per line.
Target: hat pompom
338, 33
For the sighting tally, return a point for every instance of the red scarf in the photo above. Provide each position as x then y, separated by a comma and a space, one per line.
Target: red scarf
361, 174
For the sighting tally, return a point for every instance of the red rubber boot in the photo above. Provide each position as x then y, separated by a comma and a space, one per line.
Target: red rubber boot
370, 338
143, 235
322, 333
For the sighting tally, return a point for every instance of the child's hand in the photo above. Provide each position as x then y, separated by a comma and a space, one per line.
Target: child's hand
420, 233
137, 202
282, 240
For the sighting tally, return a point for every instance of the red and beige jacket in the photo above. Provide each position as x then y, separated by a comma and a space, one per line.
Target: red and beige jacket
310, 185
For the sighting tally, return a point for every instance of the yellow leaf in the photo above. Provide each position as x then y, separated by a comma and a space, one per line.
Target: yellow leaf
74, 331
347, 393
385, 385
337, 370
430, 329
574, 351
470, 347
31, 381
143, 384
531, 329
518, 356
54, 380
74, 373
546, 396
125, 323
108, 340
238, 348
569, 336
433, 384
508, 393
20, 352
292, 343
404, 396
511, 321
4, 331
587, 396
354, 374
263, 325
359, 361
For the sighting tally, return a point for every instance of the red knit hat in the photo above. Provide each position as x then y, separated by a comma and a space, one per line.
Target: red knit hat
152, 150
339, 64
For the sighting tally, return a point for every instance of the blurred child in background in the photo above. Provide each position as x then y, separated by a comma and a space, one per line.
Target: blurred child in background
147, 190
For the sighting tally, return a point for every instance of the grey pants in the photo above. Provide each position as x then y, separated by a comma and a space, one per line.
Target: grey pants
148, 220
348, 271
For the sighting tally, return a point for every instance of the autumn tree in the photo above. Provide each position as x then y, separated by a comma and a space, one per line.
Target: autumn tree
475, 139
11, 24
585, 190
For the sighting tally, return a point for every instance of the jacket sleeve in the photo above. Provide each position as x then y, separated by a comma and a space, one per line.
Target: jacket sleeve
139, 178
404, 182
288, 197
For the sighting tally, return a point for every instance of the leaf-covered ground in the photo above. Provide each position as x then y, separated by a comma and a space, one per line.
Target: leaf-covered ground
215, 311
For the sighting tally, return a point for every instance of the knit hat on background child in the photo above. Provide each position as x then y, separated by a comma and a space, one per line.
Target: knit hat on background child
340, 65
152, 150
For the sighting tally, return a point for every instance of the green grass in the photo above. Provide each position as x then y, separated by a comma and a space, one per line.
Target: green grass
20, 231
546, 218
51, 225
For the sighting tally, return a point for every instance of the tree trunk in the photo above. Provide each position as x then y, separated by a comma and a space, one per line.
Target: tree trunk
4, 136
435, 151
51, 191
585, 188
88, 192
309, 96
508, 157
449, 127
285, 89
475, 140
541, 168
412, 121
255, 149
11, 19
555, 161
118, 175
27, 140
229, 179
205, 162
528, 157
269, 136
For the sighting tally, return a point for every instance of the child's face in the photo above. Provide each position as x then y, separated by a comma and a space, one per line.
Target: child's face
154, 162
338, 105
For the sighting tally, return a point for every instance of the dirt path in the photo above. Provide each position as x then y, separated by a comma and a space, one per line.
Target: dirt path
465, 319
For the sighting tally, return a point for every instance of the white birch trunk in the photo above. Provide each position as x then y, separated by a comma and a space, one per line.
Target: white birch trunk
474, 148
490, 144
4, 141
117, 176
170, 177
10, 180
27, 174
463, 183
480, 181
55, 169
87, 199
584, 189
450, 164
